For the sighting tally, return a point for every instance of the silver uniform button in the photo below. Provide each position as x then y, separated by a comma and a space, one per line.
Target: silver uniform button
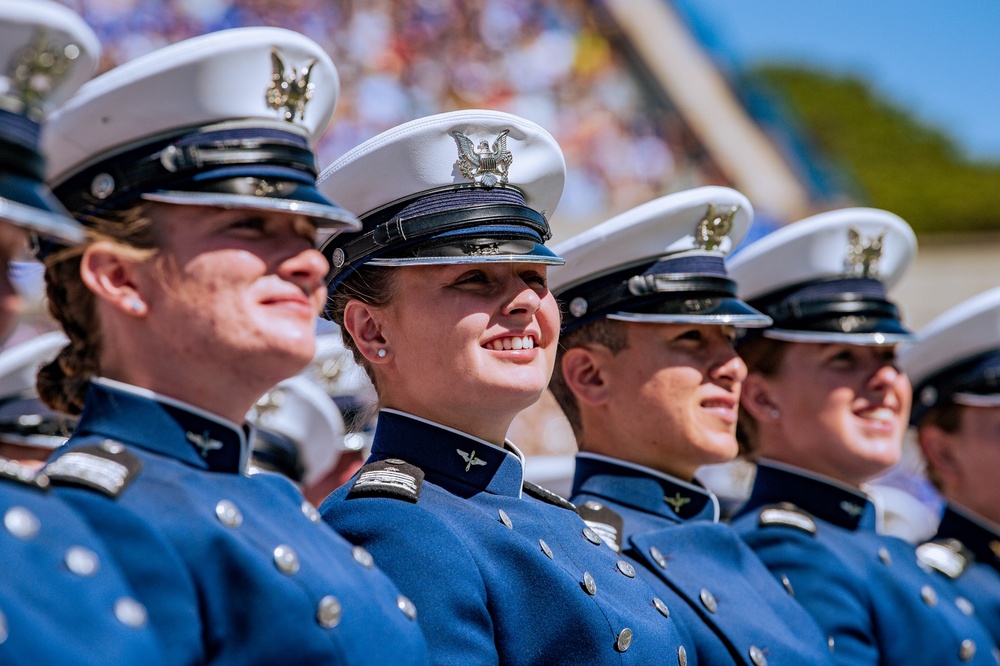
505, 519
228, 514
21, 523
788, 585
830, 643
757, 656
883, 554
329, 612
626, 568
657, 556
660, 606
967, 651
310, 512
708, 599
929, 596
682, 656
624, 639
592, 505
82, 561
589, 584
592, 536
965, 605
286, 560
546, 549
362, 557
404, 604
130, 612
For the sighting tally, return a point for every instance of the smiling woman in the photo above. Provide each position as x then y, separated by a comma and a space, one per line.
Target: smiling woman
443, 298
197, 291
824, 408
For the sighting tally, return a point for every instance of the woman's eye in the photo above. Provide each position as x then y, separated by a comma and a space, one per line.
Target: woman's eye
693, 334
472, 278
249, 223
536, 279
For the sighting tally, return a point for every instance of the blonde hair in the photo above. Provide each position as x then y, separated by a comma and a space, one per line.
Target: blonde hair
62, 384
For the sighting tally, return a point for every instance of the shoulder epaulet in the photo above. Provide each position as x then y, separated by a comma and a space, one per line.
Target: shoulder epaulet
787, 515
107, 467
11, 470
947, 556
604, 520
391, 477
547, 496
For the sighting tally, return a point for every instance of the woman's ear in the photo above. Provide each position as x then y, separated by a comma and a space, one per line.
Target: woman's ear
364, 323
112, 278
584, 373
757, 399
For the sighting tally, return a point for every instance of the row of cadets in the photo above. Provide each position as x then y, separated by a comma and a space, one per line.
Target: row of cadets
443, 298
824, 408
62, 597
955, 370
648, 378
197, 290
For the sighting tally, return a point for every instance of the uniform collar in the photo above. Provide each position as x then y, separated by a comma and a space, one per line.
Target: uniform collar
643, 488
448, 452
821, 496
163, 425
978, 535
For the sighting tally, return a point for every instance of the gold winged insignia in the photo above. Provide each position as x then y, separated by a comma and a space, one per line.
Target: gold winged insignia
483, 164
470, 459
290, 90
863, 253
676, 502
205, 443
714, 227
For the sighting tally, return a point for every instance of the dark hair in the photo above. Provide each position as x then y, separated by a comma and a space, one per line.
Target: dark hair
373, 285
763, 356
609, 333
62, 384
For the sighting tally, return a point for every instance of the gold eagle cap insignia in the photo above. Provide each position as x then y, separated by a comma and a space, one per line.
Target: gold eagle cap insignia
863, 254
290, 89
38, 69
484, 164
714, 227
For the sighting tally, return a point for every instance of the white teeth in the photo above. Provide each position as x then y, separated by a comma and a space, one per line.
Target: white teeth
500, 344
881, 414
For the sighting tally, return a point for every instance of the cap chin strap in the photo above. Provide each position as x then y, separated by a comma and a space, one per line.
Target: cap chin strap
402, 229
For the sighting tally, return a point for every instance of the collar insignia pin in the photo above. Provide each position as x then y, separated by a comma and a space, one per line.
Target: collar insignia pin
676, 502
290, 89
863, 254
851, 509
470, 459
205, 443
714, 227
482, 164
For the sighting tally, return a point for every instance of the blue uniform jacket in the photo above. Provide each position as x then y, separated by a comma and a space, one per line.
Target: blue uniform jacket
502, 572
722, 594
63, 599
866, 591
234, 569
967, 551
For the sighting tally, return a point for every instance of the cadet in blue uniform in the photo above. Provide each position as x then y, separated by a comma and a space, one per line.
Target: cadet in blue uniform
443, 299
824, 408
650, 382
193, 169
955, 369
62, 597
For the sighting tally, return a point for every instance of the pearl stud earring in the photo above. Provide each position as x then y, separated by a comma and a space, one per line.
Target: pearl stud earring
381, 353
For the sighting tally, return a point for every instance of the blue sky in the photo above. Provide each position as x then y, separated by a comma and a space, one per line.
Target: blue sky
941, 60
